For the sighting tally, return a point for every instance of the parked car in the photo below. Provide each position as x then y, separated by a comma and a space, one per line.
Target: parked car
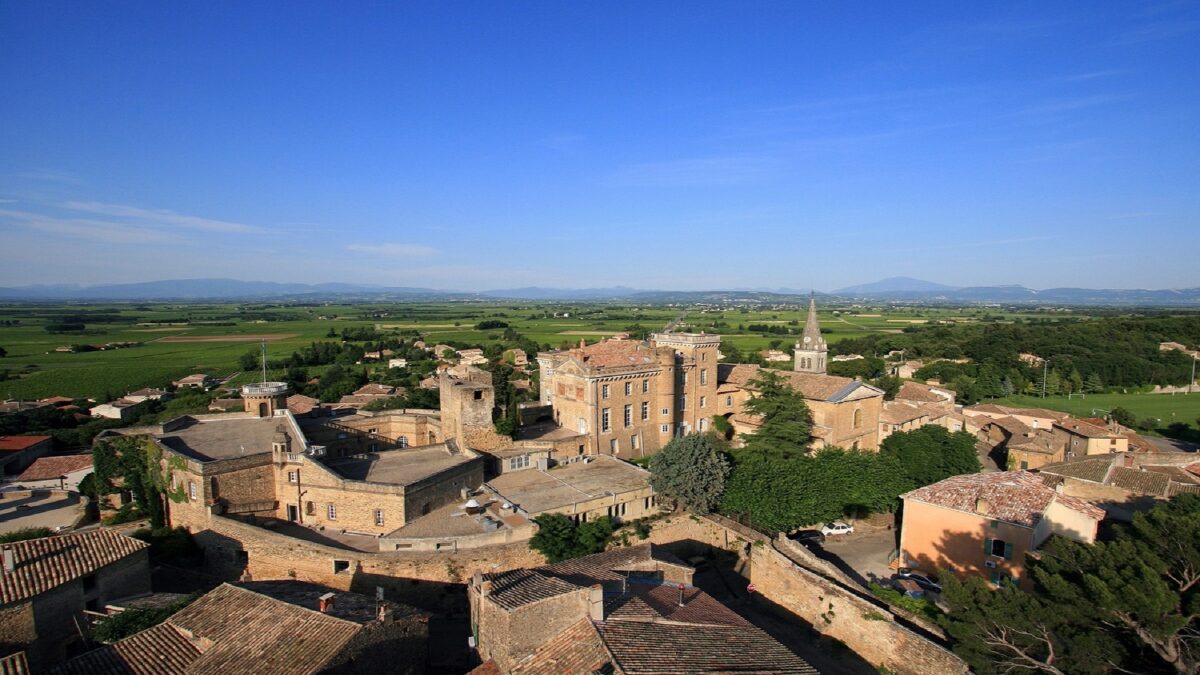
836, 527
921, 578
807, 537
908, 587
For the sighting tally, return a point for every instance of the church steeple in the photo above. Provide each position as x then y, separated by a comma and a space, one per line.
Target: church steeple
811, 350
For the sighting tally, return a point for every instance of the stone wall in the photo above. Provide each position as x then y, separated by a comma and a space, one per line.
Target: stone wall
864, 624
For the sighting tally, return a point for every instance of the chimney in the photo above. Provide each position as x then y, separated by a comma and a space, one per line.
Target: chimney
384, 612
681, 603
485, 589
982, 506
10, 563
326, 603
596, 603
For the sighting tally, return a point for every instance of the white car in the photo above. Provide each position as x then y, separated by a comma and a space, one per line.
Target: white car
836, 527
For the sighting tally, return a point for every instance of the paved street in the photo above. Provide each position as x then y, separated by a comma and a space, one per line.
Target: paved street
862, 555
52, 509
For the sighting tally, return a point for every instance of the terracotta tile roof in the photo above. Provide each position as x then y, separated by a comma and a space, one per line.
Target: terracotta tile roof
488, 667
374, 389
1081, 428
615, 353
1036, 440
19, 443
606, 566
14, 664
645, 648
520, 587
1017, 497
49, 562
162, 649
809, 385
1012, 425
1177, 474
660, 602
577, 649
1139, 482
923, 393
300, 404
1094, 469
49, 468
895, 412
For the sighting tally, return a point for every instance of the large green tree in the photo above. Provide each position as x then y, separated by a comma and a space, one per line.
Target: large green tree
559, 538
931, 453
787, 424
691, 470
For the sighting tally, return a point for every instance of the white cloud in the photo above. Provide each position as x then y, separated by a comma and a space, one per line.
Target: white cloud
84, 228
159, 216
393, 249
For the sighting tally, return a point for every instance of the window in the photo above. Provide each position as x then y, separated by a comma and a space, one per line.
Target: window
703, 376
521, 462
628, 388
479, 395
703, 401
192, 490
331, 511
89, 583
633, 442
605, 424
402, 441
173, 485
683, 402
665, 428
613, 447
628, 415
997, 578
645, 386
857, 418
293, 477
684, 378
703, 424
998, 548
310, 509
378, 517
1024, 466
729, 400
604, 391
666, 412
373, 430
341, 566
645, 411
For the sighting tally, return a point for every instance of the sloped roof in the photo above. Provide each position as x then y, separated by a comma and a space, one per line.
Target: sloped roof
615, 353
49, 562
577, 649
1083, 428
1094, 469
645, 648
520, 587
923, 393
811, 386
18, 443
160, 650
48, 468
1017, 497
606, 566
14, 664
1140, 482
900, 413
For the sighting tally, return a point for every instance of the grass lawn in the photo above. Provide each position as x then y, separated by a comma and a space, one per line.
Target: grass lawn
1166, 407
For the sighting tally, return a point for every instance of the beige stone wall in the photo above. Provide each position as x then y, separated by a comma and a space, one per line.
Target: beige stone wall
840, 418
509, 637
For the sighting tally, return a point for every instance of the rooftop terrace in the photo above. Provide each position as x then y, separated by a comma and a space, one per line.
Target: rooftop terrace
538, 491
399, 467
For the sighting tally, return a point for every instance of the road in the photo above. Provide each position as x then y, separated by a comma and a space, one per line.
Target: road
862, 555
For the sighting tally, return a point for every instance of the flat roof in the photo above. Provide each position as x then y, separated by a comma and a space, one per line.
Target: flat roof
213, 439
537, 491
546, 431
398, 467
448, 521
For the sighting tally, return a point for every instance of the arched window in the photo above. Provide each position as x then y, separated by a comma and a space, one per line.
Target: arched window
402, 441
857, 417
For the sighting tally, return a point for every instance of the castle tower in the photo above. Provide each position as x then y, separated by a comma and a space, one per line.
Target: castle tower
811, 350
467, 400
264, 398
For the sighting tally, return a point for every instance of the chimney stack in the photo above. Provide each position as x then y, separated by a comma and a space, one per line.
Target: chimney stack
326, 603
384, 612
485, 589
681, 603
596, 603
10, 563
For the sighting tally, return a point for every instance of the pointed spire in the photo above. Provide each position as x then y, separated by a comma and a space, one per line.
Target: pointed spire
812, 329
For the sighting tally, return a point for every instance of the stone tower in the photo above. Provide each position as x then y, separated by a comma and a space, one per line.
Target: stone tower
811, 350
264, 398
467, 399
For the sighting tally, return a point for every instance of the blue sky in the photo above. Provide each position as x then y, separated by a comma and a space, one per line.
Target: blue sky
656, 145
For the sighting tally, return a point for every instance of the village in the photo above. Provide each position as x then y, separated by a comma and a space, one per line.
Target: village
415, 530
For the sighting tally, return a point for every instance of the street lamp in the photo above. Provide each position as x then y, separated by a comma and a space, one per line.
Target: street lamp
1045, 365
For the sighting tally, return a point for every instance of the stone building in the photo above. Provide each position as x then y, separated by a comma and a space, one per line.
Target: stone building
47, 584
272, 627
628, 610
986, 524
18, 452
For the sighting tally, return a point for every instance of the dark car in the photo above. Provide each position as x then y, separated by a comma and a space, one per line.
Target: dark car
921, 578
807, 537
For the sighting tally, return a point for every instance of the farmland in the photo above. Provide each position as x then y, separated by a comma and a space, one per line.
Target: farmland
1165, 407
179, 339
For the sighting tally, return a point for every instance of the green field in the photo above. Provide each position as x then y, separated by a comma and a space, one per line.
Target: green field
1166, 407
33, 369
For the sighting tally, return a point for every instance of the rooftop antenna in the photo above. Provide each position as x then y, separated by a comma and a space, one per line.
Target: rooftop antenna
264, 360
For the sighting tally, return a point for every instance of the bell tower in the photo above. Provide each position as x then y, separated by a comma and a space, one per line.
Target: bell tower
811, 350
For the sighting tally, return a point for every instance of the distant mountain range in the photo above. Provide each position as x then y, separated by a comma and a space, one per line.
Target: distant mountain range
895, 289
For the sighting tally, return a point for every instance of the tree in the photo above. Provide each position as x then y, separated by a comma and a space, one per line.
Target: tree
691, 470
1092, 384
787, 423
931, 453
1144, 585
248, 361
1123, 416
3, 352
559, 538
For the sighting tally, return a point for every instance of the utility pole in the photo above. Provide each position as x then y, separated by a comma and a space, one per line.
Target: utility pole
1192, 381
1045, 364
